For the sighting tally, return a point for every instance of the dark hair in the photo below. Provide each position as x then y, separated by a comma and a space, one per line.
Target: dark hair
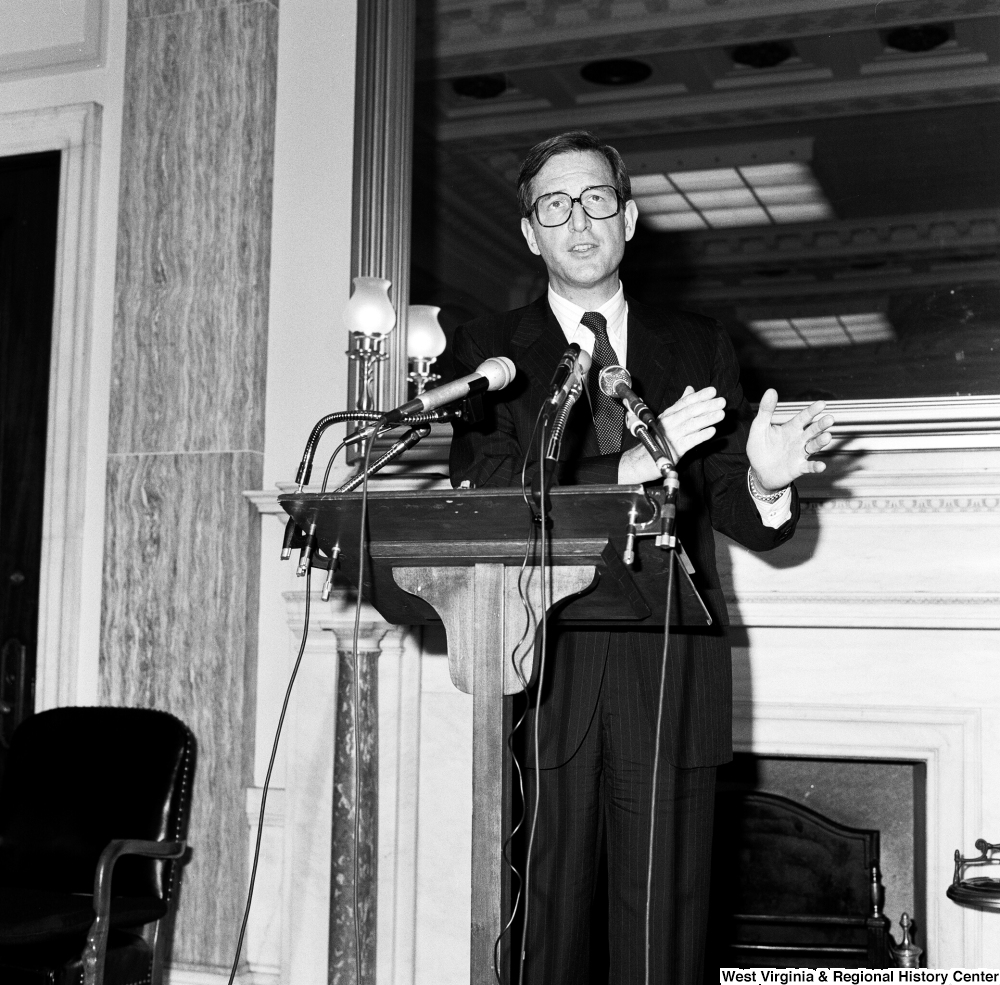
572, 140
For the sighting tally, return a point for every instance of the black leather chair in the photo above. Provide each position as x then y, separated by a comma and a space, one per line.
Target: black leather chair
792, 889
94, 806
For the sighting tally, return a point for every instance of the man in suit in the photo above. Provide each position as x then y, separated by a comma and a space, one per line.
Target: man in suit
597, 711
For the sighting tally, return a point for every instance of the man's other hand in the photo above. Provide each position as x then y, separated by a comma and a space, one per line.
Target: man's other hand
684, 424
779, 454
691, 420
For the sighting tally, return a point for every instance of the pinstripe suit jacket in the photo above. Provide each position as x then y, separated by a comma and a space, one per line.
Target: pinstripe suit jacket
667, 351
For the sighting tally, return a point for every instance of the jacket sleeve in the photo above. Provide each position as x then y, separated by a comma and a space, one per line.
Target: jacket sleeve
487, 453
731, 507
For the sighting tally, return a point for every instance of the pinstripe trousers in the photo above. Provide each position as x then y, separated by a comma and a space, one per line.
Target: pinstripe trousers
597, 723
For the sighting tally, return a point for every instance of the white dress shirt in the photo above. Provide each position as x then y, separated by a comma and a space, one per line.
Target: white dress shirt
615, 311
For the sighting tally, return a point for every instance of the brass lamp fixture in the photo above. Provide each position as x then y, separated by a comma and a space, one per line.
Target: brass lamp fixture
425, 341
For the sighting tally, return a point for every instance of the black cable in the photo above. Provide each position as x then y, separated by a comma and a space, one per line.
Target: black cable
267, 780
519, 671
672, 560
329, 464
541, 684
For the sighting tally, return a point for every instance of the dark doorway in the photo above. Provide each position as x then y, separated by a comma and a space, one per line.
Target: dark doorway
29, 199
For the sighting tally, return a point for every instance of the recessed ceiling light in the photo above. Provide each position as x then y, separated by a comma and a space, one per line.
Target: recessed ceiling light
762, 54
915, 38
616, 72
480, 86
757, 195
822, 332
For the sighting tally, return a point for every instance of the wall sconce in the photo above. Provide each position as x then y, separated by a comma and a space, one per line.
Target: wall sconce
369, 317
425, 341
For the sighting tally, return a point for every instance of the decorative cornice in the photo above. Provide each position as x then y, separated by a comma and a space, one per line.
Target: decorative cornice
684, 114
927, 416
865, 610
799, 287
856, 506
471, 36
861, 598
888, 238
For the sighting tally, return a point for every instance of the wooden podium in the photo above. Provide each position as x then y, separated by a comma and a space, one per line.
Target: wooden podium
455, 557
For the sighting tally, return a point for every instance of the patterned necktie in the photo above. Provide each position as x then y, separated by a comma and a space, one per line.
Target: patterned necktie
609, 414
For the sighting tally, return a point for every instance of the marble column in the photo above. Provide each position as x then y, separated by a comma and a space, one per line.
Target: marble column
186, 436
354, 867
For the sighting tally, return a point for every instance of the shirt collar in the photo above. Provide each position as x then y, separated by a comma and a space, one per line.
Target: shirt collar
568, 314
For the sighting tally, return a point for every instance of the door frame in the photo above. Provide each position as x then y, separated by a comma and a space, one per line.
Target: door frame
74, 130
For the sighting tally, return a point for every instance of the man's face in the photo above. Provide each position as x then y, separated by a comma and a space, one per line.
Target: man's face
583, 254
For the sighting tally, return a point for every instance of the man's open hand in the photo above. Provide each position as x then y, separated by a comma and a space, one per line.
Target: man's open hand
684, 424
691, 420
779, 453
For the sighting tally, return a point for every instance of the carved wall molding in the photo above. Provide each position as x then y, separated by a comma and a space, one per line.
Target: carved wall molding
865, 610
684, 114
69, 35
903, 505
473, 36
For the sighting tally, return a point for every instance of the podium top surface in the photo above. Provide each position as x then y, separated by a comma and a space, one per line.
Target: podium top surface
464, 527
474, 524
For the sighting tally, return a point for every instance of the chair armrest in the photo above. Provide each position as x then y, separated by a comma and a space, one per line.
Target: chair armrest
97, 936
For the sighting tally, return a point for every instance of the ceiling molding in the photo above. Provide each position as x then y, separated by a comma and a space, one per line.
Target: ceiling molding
684, 114
777, 291
885, 237
475, 36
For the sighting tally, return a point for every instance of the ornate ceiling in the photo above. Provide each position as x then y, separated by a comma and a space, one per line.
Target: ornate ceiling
904, 143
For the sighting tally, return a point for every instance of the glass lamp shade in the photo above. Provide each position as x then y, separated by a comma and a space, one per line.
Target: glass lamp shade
370, 312
425, 338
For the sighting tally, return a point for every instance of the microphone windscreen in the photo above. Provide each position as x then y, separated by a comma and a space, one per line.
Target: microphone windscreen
583, 362
499, 370
611, 377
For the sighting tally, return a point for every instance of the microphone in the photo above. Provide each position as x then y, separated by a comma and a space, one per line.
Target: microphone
492, 374
616, 381
566, 366
571, 384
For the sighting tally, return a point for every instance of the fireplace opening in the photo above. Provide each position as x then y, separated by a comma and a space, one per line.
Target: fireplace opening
885, 795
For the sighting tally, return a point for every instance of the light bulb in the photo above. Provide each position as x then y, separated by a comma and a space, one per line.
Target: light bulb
370, 311
425, 338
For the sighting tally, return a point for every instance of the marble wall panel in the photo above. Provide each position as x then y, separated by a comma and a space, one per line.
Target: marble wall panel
194, 231
179, 633
160, 8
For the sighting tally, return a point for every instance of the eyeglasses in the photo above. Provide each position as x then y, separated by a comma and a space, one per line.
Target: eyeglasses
599, 202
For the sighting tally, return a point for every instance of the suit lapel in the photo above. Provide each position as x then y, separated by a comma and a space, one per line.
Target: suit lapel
653, 371
542, 342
